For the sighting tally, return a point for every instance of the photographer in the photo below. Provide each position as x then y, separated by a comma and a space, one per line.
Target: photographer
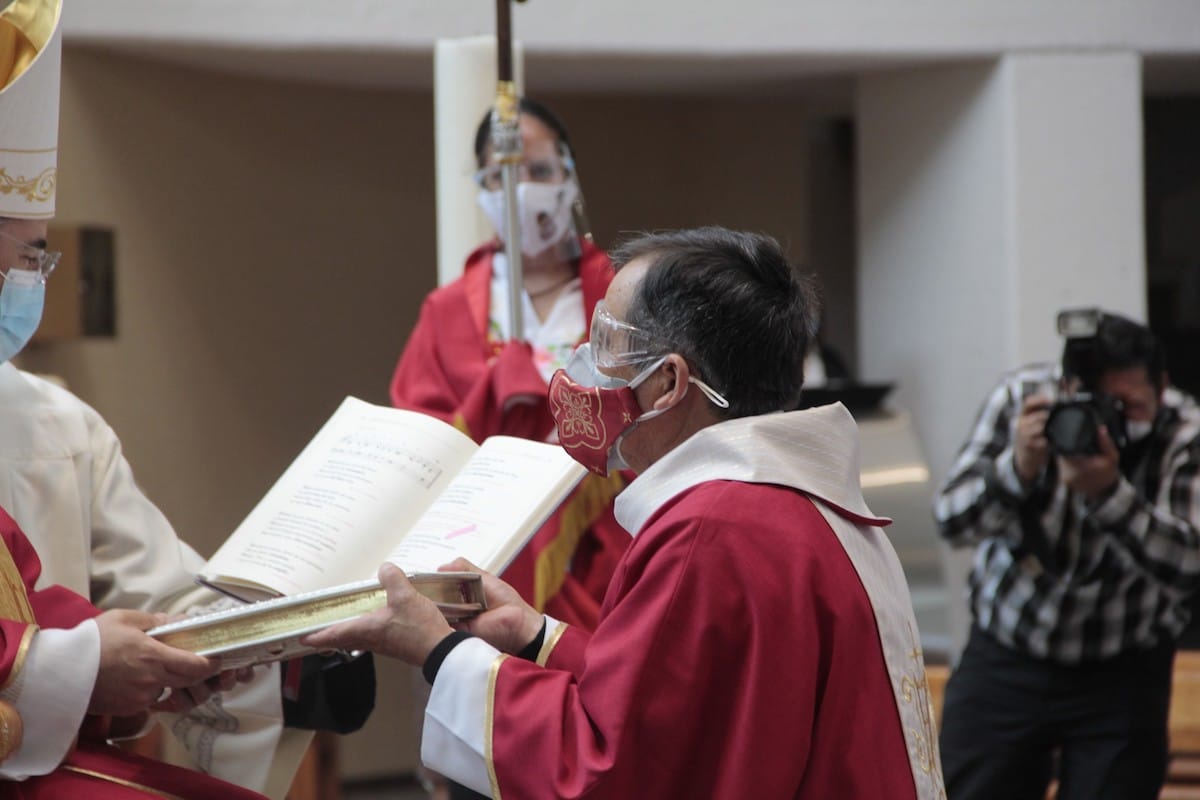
1088, 549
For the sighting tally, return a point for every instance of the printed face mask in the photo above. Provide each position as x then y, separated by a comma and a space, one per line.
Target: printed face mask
545, 213
21, 300
594, 411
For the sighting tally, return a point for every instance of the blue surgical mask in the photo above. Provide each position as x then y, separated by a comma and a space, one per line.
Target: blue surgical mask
22, 297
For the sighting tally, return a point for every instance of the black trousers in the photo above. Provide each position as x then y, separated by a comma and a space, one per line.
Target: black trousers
1007, 714
458, 792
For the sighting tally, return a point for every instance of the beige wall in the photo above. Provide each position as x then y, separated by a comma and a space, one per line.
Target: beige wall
274, 241
655, 162
270, 257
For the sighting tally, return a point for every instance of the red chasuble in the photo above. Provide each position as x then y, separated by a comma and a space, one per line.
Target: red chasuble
93, 770
452, 369
738, 656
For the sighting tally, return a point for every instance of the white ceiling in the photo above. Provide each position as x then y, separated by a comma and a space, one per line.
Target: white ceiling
819, 79
790, 47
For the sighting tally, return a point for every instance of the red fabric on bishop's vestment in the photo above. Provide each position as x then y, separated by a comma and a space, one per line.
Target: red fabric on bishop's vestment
93, 770
737, 656
452, 369
53, 607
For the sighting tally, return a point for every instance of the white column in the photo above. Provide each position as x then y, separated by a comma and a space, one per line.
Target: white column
990, 196
464, 88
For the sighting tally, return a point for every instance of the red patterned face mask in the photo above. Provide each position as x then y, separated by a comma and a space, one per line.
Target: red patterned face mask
593, 411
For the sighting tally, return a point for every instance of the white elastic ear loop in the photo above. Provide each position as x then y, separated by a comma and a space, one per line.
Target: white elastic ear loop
638, 380
714, 397
712, 394
616, 461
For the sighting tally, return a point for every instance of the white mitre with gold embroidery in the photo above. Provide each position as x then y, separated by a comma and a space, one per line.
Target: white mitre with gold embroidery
30, 57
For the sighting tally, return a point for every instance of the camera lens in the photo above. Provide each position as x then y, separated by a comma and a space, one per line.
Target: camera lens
1071, 429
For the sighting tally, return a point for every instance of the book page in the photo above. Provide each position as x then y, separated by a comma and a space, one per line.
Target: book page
345, 501
491, 507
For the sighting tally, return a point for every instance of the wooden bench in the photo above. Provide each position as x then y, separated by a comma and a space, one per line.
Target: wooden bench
1183, 770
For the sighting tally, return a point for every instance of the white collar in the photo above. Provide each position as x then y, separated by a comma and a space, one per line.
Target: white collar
814, 451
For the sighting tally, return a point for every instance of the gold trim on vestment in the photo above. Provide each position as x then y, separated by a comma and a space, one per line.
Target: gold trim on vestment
12, 729
19, 660
120, 782
489, 717
35, 20
460, 425
26, 27
14, 600
550, 643
914, 691
34, 150
911, 690
589, 502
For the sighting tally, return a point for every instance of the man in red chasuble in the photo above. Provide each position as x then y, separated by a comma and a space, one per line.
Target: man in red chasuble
758, 639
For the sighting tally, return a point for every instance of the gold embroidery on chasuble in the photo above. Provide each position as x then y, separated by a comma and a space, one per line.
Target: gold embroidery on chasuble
14, 605
14, 602
914, 692
12, 729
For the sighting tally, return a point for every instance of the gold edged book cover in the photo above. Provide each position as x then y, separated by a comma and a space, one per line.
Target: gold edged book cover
270, 630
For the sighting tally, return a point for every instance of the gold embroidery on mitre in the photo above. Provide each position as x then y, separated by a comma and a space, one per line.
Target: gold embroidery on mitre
14, 601
36, 190
914, 691
12, 729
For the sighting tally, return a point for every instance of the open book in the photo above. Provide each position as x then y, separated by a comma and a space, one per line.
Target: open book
376, 484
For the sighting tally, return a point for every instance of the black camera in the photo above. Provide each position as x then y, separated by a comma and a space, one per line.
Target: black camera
1073, 426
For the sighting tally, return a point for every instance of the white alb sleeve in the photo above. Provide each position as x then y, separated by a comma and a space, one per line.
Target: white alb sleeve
452, 740
52, 693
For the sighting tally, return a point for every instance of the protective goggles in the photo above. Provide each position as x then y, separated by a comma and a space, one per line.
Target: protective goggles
613, 343
32, 264
619, 344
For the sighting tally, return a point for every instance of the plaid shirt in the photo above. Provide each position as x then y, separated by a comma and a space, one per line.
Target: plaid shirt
1057, 577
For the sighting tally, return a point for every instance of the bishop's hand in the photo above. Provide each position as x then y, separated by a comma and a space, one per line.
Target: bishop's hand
135, 670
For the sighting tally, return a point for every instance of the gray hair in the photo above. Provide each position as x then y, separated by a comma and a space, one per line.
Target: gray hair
731, 304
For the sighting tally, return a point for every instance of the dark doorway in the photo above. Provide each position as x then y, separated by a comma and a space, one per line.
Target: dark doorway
1172, 160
